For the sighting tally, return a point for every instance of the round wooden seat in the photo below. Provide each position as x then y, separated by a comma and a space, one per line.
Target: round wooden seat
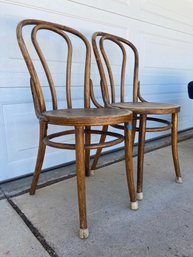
87, 117
149, 108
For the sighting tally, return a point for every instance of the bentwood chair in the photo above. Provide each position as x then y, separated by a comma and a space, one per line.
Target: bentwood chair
141, 108
81, 119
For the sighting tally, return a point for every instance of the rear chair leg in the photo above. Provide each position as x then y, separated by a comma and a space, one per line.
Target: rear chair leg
174, 140
129, 165
80, 171
140, 160
99, 150
87, 151
40, 157
134, 121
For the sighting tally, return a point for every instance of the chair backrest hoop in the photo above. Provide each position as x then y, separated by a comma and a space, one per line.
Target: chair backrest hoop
37, 93
120, 42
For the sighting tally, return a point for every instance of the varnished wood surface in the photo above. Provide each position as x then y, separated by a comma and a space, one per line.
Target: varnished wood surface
148, 107
140, 107
86, 117
80, 118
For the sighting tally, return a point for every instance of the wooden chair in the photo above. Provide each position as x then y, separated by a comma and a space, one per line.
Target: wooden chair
81, 119
140, 107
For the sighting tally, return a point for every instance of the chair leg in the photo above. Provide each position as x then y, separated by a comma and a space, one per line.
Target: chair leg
140, 160
99, 150
87, 151
80, 171
174, 141
134, 121
40, 157
129, 165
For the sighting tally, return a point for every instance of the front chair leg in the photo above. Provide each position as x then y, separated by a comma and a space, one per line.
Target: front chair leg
40, 157
140, 160
129, 164
99, 150
80, 171
175, 147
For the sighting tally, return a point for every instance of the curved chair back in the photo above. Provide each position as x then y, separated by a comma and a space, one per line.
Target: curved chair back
36, 87
109, 93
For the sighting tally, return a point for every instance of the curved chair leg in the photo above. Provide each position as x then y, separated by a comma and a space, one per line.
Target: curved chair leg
80, 171
175, 147
140, 160
134, 121
87, 151
129, 165
99, 150
40, 157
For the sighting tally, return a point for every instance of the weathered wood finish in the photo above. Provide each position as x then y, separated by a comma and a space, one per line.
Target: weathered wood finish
99, 150
140, 160
128, 159
81, 119
40, 156
174, 144
87, 151
80, 169
139, 106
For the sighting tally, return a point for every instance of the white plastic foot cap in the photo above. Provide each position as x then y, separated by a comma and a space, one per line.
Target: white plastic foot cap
134, 206
92, 172
179, 180
84, 233
140, 196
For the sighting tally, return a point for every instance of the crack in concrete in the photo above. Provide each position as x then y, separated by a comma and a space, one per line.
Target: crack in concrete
33, 229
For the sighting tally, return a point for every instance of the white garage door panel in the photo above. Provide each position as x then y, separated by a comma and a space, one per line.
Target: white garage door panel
162, 34
170, 13
19, 129
176, 15
165, 76
167, 53
19, 135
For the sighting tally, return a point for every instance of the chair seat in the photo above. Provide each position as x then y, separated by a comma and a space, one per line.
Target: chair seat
87, 117
149, 107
